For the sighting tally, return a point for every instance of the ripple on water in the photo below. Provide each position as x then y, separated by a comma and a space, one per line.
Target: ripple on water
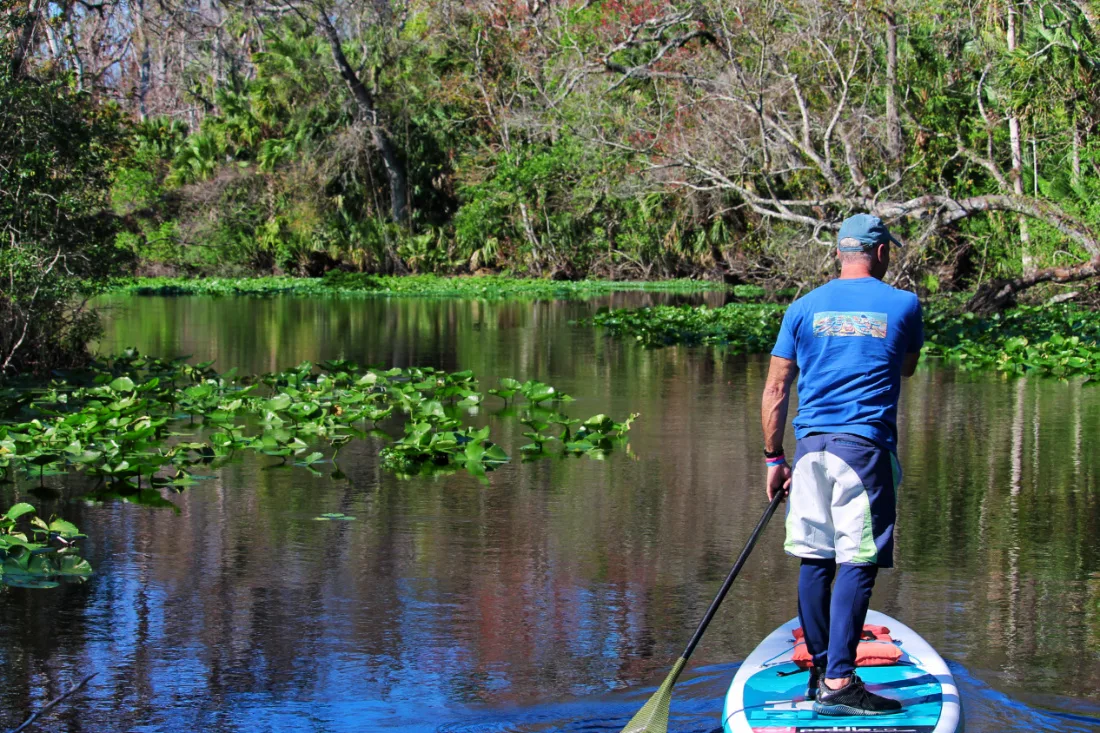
989, 711
696, 708
697, 705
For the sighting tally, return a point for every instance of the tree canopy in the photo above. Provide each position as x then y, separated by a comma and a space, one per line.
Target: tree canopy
641, 138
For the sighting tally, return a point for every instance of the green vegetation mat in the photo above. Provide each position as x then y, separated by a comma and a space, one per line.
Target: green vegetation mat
137, 425
742, 328
342, 283
136, 422
1059, 341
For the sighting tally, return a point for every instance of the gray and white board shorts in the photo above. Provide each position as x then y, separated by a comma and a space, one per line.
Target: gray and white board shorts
843, 503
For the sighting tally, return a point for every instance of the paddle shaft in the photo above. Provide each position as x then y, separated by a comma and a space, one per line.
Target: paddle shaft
733, 575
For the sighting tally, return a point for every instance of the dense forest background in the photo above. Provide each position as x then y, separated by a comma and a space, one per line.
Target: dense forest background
576, 138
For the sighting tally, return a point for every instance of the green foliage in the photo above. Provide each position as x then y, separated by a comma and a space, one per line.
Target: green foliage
488, 287
550, 204
34, 552
533, 391
197, 159
156, 140
118, 420
279, 176
965, 84
742, 328
520, 160
1061, 341
56, 230
749, 292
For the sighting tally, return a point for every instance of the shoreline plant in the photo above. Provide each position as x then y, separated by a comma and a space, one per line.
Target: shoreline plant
490, 287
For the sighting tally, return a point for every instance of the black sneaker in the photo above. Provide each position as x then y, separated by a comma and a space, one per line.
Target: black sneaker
816, 675
853, 699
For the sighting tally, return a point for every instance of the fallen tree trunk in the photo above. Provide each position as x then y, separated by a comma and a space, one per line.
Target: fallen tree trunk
997, 295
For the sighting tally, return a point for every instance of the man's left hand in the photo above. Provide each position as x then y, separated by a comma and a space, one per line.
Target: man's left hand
779, 480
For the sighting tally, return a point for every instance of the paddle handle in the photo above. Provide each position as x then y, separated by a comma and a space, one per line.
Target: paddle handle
776, 501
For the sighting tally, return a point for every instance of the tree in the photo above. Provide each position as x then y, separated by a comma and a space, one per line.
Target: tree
56, 232
799, 110
382, 21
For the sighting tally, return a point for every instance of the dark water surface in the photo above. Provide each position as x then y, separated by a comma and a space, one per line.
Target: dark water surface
557, 596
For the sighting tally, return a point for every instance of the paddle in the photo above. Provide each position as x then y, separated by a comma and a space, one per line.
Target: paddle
653, 717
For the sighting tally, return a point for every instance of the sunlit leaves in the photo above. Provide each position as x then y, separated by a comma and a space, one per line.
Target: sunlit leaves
17, 511
55, 169
1058, 341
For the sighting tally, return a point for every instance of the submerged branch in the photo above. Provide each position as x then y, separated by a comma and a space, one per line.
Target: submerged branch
53, 703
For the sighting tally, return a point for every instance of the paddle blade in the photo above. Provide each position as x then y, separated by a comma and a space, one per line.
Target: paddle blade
653, 717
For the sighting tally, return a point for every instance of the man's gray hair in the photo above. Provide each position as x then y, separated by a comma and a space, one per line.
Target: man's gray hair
864, 255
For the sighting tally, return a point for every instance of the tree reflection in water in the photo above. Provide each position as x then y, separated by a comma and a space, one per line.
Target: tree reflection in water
561, 577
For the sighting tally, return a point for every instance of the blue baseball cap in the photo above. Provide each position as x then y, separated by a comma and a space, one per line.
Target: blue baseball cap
865, 228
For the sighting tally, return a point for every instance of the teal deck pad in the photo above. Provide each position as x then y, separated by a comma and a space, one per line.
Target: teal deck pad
775, 701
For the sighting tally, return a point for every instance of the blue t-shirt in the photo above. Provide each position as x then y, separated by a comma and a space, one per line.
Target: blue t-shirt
849, 339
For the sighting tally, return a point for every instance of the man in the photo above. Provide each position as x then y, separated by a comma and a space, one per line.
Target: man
851, 340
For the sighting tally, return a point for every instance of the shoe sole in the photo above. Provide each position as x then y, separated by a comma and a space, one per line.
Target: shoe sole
848, 710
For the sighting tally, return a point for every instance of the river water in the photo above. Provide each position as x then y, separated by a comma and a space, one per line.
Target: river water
557, 596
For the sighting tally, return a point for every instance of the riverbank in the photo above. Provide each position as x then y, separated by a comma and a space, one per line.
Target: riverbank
431, 286
1059, 340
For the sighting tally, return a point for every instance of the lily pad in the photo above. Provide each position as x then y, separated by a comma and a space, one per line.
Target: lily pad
123, 384
18, 510
334, 517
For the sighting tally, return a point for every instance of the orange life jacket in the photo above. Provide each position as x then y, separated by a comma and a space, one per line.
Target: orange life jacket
876, 648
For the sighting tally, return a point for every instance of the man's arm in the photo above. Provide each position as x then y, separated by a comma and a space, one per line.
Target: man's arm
909, 366
777, 399
773, 418
915, 329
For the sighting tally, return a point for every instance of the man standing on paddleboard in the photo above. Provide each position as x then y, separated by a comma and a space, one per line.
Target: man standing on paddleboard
850, 341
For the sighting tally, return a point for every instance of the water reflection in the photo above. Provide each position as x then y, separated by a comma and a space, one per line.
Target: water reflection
549, 598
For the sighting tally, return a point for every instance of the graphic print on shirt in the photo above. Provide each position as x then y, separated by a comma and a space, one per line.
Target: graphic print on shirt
850, 323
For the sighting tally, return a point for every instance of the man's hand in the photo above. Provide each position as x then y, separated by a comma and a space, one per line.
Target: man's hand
779, 480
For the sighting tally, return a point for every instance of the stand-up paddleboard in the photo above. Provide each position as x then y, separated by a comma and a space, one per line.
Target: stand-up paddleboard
768, 694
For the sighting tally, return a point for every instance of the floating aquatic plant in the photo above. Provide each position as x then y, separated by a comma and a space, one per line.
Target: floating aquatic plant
1062, 341
532, 391
743, 328
34, 552
595, 437
136, 423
